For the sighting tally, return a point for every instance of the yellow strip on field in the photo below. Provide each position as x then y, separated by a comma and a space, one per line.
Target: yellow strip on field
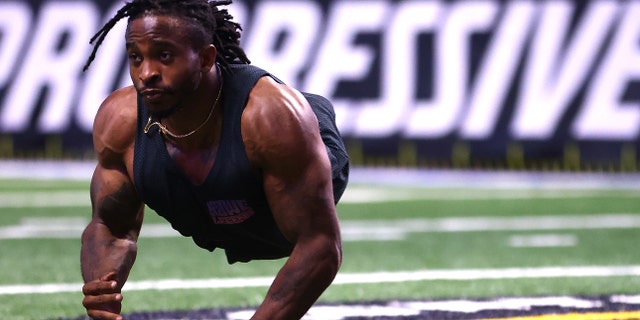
623, 315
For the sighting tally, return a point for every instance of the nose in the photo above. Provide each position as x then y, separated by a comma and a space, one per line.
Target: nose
148, 72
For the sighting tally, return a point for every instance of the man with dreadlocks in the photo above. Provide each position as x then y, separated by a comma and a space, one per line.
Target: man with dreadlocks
227, 153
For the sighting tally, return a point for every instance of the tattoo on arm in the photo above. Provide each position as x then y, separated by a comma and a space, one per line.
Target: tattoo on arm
108, 244
118, 209
285, 288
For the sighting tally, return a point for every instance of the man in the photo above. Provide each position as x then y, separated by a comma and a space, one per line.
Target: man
224, 151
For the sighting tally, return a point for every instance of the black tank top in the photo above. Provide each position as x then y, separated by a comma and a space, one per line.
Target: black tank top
229, 210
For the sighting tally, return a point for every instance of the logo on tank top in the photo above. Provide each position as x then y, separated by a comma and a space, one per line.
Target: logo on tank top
229, 211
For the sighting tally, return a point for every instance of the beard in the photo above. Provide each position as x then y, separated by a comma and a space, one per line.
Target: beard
180, 96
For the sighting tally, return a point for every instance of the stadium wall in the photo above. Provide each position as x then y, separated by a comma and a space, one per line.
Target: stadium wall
521, 84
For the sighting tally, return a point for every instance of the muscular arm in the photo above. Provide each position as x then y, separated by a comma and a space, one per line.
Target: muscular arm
282, 138
109, 241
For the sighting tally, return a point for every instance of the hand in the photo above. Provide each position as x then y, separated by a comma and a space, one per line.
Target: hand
102, 298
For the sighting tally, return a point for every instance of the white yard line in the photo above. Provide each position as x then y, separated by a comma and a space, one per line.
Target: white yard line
348, 278
542, 240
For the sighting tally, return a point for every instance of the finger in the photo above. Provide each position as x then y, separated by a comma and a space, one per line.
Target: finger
100, 300
109, 302
109, 276
103, 315
98, 287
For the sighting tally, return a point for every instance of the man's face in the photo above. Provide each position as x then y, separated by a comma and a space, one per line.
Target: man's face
164, 67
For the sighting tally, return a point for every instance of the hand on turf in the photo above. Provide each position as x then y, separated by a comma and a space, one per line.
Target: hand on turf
102, 298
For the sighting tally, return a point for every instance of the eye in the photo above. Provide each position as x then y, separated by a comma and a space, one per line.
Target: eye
166, 56
134, 58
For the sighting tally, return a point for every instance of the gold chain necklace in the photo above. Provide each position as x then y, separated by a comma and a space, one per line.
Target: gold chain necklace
166, 131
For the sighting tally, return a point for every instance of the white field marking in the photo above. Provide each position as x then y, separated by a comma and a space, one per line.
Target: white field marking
42, 199
349, 278
355, 194
339, 312
543, 240
625, 299
47, 169
364, 194
414, 308
519, 303
503, 179
352, 230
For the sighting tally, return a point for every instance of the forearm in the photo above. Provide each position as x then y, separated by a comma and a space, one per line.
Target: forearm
303, 278
101, 253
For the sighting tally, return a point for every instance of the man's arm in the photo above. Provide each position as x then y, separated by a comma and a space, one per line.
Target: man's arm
283, 139
109, 241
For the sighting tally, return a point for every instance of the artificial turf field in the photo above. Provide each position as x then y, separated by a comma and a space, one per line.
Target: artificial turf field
470, 247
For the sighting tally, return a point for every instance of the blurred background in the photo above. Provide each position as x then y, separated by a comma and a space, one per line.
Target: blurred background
487, 84
521, 117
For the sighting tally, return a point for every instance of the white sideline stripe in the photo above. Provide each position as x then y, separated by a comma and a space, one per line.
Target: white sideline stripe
356, 194
349, 278
362, 194
82, 170
353, 230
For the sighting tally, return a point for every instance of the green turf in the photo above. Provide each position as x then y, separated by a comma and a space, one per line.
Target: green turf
40, 261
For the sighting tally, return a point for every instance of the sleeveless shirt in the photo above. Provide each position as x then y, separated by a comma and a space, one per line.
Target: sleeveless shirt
229, 210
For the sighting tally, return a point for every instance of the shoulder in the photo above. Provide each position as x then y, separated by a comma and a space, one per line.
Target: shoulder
268, 93
277, 119
115, 123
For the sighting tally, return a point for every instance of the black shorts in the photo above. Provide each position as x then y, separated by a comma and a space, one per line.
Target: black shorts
333, 142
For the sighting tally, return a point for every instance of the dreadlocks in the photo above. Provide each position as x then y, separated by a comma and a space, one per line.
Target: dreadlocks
209, 23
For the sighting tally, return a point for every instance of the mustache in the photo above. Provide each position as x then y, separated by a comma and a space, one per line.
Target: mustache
154, 89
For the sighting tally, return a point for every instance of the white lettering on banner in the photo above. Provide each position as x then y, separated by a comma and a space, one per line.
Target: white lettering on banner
47, 65
338, 58
15, 19
603, 115
497, 70
440, 116
387, 115
551, 79
273, 19
556, 60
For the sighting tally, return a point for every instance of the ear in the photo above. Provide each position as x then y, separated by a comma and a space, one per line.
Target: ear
208, 56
